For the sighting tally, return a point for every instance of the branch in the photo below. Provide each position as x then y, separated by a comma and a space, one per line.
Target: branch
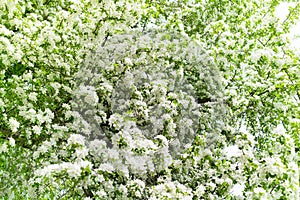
261, 42
231, 80
144, 25
289, 15
105, 40
204, 100
87, 192
292, 81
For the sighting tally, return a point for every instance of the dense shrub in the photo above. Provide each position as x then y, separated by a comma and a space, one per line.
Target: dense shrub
148, 100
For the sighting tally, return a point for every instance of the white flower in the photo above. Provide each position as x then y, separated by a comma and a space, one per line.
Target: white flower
73, 170
255, 56
138, 182
40, 118
49, 115
91, 98
20, 91
128, 61
14, 124
259, 190
232, 151
101, 193
162, 139
212, 185
99, 177
1, 103
31, 112
237, 190
81, 153
66, 106
76, 139
3, 148
5, 31
90, 94
106, 167
280, 130
12, 142
84, 164
97, 146
27, 76
46, 116
33, 96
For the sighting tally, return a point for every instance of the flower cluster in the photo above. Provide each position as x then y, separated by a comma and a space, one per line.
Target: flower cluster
148, 100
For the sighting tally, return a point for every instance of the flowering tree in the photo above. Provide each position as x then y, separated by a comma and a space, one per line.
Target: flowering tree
148, 100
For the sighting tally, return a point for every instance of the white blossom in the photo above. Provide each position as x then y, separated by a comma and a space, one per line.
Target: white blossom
12, 142
33, 96
14, 124
3, 148
237, 190
76, 139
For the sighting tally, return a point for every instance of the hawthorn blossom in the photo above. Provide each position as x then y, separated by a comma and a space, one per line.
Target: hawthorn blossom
14, 124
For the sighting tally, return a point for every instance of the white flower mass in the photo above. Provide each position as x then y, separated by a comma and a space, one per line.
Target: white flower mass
14, 124
232, 151
135, 99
